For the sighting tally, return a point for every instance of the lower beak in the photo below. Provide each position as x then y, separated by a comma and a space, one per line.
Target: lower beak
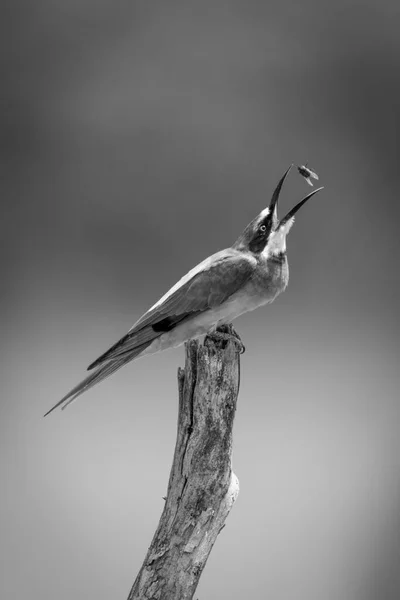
294, 210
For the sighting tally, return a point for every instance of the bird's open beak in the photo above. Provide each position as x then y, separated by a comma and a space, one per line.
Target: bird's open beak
275, 196
294, 210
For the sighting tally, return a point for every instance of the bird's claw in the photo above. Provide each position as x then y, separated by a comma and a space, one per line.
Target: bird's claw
228, 333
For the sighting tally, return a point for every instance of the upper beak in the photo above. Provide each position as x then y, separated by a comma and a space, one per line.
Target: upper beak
275, 196
294, 210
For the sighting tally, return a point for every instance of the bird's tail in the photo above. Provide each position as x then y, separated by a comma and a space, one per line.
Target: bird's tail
98, 375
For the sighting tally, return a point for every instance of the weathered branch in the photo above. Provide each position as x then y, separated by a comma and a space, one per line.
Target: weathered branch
202, 487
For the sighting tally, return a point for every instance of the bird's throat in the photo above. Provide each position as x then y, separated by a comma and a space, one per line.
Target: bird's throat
278, 257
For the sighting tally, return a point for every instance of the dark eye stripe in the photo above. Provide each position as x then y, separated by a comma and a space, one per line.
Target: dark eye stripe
267, 222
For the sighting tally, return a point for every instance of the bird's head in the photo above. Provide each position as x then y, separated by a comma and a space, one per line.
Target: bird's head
266, 233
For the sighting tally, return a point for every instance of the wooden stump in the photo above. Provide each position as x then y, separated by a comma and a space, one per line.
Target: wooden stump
202, 487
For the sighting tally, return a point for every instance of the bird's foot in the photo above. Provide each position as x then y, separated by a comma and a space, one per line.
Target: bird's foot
227, 333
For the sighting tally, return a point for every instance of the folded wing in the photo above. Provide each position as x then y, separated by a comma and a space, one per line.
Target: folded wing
208, 285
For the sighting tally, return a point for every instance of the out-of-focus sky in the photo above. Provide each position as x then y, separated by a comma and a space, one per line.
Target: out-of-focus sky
136, 139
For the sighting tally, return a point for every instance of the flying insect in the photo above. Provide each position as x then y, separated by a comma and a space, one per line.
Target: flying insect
307, 173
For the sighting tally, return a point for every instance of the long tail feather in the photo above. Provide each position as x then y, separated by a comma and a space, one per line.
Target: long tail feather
128, 343
101, 373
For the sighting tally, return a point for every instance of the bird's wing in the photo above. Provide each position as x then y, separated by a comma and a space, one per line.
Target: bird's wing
209, 284
206, 286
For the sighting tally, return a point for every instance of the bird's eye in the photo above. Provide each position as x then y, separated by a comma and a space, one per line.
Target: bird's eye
263, 228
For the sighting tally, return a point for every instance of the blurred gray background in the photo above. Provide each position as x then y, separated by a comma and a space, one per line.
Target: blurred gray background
136, 139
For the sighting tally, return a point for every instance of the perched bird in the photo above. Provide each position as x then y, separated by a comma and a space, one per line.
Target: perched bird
229, 283
307, 173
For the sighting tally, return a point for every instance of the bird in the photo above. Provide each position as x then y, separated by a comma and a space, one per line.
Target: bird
249, 274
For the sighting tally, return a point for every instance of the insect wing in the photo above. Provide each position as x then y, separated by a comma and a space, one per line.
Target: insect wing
312, 174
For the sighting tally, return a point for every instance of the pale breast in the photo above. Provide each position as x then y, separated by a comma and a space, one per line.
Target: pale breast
269, 280
272, 276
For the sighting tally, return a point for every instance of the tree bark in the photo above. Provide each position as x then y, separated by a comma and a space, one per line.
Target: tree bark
202, 487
